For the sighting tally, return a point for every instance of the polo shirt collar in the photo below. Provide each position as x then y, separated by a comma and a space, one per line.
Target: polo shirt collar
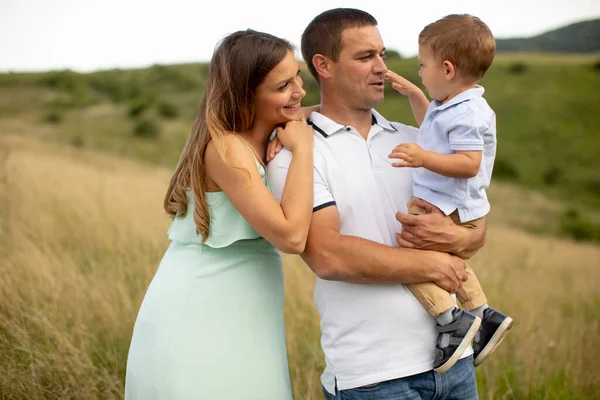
475, 92
378, 119
327, 127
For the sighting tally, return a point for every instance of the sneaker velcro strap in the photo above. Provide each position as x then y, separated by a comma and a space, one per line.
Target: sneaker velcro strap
448, 328
456, 341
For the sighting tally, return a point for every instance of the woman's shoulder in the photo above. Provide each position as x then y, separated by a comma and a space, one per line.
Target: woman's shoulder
227, 162
234, 150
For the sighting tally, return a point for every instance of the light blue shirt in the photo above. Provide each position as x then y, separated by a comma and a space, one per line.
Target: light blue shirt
464, 123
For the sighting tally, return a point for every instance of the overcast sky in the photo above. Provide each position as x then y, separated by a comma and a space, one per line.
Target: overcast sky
86, 35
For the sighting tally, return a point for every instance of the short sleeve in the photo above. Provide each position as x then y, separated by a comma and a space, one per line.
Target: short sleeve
277, 170
323, 196
466, 132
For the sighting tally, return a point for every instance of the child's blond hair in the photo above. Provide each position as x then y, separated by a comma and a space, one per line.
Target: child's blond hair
462, 39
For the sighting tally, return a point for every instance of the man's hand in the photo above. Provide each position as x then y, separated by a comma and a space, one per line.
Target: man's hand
411, 154
451, 270
436, 231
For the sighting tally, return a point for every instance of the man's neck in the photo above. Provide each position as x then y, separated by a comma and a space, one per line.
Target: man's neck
341, 113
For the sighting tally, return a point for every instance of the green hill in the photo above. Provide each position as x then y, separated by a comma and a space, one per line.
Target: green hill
581, 37
546, 105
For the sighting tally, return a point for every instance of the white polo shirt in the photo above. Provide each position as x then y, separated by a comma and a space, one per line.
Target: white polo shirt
370, 332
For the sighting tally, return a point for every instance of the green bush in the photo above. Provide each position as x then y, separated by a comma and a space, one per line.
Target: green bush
505, 170
167, 110
392, 55
594, 186
53, 117
146, 127
115, 85
61, 104
579, 228
552, 176
66, 80
138, 107
517, 68
69, 82
77, 141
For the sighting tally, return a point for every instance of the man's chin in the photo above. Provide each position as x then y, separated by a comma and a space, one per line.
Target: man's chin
376, 100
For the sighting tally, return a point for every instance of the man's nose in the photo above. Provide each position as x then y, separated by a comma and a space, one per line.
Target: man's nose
379, 66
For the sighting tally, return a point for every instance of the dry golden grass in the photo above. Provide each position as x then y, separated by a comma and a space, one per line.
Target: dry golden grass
81, 235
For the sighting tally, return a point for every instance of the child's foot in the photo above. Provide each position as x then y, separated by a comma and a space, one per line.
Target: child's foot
454, 338
493, 329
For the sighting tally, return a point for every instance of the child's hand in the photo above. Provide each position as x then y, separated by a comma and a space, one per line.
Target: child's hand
402, 85
411, 154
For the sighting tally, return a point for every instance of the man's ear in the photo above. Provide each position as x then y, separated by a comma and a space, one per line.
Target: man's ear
449, 70
322, 65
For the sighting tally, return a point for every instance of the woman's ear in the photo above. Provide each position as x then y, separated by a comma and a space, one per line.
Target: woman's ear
322, 65
449, 70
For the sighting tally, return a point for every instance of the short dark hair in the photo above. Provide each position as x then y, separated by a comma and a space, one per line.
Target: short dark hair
324, 33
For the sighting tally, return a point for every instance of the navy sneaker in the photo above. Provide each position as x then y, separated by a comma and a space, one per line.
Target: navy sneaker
454, 338
494, 328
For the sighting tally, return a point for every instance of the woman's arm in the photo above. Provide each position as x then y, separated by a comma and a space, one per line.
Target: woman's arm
275, 145
286, 225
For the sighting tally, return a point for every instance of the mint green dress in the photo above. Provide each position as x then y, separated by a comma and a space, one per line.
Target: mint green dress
211, 323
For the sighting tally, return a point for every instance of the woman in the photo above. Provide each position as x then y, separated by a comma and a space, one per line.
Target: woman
211, 323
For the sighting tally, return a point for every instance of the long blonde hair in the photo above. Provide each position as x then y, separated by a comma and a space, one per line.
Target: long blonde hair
239, 64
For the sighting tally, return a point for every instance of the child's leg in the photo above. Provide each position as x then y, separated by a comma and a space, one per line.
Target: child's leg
433, 298
471, 294
415, 209
456, 328
494, 325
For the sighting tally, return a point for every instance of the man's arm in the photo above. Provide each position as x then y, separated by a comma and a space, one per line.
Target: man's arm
333, 256
436, 231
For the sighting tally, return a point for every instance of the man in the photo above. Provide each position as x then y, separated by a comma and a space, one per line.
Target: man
378, 340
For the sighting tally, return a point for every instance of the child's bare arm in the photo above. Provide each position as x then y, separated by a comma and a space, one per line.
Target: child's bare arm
416, 97
462, 164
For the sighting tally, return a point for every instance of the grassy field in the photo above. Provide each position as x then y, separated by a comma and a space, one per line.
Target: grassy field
81, 234
85, 160
546, 106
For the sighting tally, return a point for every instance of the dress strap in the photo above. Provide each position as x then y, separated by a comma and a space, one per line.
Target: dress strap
252, 151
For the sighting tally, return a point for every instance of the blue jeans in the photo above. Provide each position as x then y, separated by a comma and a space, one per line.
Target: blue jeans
456, 384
